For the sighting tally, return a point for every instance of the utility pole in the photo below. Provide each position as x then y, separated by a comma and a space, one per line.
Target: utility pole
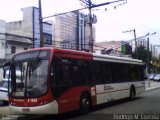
40, 25
134, 31
135, 39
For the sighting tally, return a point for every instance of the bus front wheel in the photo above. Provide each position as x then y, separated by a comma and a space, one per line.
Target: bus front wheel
85, 103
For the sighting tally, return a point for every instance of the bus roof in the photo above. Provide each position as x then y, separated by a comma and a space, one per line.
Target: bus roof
116, 59
101, 57
95, 56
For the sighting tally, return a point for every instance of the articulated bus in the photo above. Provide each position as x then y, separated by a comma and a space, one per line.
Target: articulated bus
55, 81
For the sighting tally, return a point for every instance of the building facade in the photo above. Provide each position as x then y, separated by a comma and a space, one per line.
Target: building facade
2, 42
17, 36
72, 31
35, 29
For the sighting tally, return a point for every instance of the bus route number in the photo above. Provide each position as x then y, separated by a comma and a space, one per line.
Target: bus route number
32, 100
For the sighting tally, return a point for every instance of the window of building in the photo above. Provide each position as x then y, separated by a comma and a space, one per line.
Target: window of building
13, 49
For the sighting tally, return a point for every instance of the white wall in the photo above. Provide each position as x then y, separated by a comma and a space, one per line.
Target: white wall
2, 39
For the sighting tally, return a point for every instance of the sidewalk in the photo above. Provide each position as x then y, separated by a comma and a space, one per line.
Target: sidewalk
153, 85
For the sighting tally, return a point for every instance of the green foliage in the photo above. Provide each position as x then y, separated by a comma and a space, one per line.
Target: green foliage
142, 54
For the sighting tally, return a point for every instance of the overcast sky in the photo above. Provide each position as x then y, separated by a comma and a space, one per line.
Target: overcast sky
141, 15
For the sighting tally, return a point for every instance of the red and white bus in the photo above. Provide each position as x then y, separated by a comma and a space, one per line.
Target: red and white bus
56, 80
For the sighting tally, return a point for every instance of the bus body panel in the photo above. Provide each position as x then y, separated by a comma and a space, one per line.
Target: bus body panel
140, 87
69, 101
110, 92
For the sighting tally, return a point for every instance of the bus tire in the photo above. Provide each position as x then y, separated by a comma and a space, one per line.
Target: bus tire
85, 103
132, 92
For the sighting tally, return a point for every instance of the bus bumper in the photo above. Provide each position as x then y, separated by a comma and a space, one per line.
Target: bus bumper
50, 108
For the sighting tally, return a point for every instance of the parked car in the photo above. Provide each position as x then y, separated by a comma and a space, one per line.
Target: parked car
4, 91
157, 77
151, 76
5, 82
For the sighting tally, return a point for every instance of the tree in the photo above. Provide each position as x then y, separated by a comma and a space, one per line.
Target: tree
142, 54
126, 49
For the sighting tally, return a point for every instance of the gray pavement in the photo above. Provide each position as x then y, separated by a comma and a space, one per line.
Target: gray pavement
152, 85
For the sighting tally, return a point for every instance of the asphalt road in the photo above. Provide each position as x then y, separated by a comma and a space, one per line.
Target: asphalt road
4, 109
148, 102
145, 106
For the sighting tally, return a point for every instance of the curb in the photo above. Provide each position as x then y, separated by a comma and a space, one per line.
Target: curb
152, 88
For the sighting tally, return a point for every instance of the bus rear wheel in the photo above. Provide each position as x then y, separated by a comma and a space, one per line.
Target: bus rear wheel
132, 93
85, 103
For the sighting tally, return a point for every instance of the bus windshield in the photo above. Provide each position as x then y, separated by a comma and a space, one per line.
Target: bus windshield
33, 78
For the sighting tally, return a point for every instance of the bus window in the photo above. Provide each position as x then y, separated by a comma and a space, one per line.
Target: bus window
66, 73
97, 75
107, 73
126, 72
29, 79
37, 73
76, 72
83, 67
142, 76
62, 79
116, 69
134, 73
